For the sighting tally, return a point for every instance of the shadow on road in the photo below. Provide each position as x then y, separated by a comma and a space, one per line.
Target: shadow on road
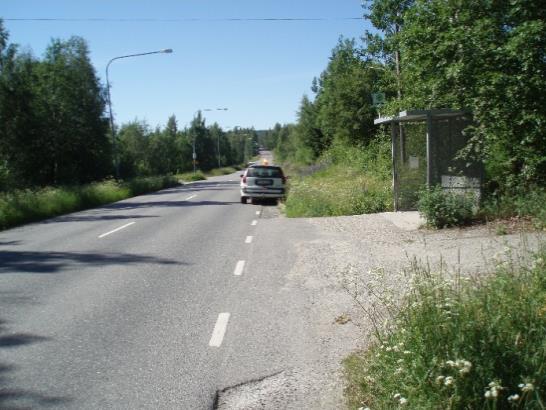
265, 201
92, 218
10, 243
53, 262
177, 204
11, 396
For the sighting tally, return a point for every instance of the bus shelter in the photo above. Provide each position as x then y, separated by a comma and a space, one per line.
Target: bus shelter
425, 148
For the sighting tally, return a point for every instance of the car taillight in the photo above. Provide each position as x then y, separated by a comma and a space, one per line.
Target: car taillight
244, 180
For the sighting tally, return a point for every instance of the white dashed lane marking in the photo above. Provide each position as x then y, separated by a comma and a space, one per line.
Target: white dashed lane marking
219, 330
115, 230
248, 239
239, 268
254, 223
190, 197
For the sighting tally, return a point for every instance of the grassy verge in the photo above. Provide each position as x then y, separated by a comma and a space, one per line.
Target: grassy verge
222, 171
529, 204
355, 181
190, 176
456, 344
200, 175
19, 207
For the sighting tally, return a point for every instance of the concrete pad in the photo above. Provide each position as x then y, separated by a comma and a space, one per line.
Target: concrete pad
408, 221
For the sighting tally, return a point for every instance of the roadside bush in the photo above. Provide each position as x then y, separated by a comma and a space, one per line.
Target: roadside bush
23, 206
442, 209
221, 171
458, 344
522, 204
139, 186
347, 181
190, 176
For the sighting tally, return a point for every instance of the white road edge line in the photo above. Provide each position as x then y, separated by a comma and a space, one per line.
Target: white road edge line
239, 268
248, 239
258, 212
190, 197
115, 230
219, 330
254, 222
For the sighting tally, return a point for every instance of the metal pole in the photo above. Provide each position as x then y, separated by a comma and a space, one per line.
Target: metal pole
218, 136
219, 164
194, 154
114, 139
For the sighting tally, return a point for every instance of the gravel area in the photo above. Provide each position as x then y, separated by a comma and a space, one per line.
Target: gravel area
337, 256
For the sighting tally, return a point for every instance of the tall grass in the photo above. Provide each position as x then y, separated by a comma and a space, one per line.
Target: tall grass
524, 204
191, 176
455, 344
222, 171
352, 181
23, 206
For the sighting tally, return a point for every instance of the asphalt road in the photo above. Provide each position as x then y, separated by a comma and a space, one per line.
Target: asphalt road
158, 301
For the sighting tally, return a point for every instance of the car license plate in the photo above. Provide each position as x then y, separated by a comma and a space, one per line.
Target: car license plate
264, 182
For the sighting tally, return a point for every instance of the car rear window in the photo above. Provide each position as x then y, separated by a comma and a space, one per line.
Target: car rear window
264, 172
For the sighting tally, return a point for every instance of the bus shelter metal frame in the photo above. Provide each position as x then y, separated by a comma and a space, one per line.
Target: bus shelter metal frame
432, 139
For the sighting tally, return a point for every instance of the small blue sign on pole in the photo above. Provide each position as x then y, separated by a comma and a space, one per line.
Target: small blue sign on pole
378, 99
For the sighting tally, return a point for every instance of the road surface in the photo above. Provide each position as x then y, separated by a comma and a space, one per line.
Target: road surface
159, 301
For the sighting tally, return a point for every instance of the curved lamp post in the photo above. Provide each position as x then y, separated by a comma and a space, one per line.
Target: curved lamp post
194, 155
114, 142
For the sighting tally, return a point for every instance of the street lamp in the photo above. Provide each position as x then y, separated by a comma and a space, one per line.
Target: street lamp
114, 142
194, 155
218, 138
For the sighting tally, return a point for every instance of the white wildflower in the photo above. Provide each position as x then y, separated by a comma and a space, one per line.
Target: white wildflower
494, 389
513, 397
403, 401
448, 381
527, 387
440, 379
464, 366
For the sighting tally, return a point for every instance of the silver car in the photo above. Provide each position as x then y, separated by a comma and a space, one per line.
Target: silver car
262, 181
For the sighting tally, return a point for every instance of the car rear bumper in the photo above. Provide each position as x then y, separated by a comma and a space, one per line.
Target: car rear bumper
262, 193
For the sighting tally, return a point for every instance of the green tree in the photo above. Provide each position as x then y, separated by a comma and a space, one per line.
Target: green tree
70, 105
133, 143
20, 127
205, 146
164, 154
344, 107
387, 16
310, 140
488, 57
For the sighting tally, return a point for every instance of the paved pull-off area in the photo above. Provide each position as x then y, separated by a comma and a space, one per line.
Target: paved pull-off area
187, 299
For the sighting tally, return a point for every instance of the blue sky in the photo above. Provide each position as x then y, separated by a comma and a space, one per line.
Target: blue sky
259, 70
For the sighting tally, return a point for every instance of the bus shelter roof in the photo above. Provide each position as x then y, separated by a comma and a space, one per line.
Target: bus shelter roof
420, 115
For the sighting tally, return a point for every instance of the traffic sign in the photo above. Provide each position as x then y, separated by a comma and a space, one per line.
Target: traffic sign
378, 99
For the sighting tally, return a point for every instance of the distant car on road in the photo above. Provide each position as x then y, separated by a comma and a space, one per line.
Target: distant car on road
262, 181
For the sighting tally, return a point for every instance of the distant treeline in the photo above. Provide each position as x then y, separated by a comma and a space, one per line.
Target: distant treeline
54, 128
481, 56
